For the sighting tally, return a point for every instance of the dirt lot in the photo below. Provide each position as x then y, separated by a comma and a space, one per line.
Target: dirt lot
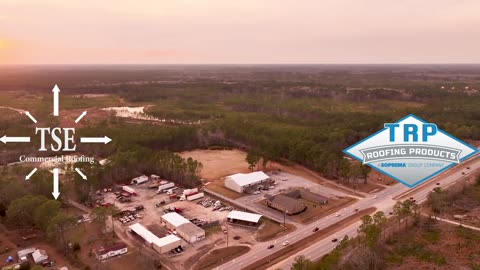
13, 241
219, 163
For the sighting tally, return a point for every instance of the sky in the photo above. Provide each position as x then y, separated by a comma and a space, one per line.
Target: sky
239, 32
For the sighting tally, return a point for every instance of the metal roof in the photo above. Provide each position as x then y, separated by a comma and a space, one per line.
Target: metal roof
143, 232
239, 215
167, 240
245, 179
175, 219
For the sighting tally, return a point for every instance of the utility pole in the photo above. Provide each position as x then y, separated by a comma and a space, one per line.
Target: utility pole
284, 215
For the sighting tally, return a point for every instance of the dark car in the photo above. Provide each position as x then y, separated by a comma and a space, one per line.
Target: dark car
271, 246
355, 210
463, 172
316, 229
334, 240
468, 168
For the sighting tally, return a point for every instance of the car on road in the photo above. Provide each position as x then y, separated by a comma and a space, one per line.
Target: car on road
468, 168
375, 196
438, 184
334, 240
286, 243
271, 246
355, 210
316, 229
337, 214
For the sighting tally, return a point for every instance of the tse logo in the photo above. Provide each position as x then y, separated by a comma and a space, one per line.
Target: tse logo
55, 133
412, 131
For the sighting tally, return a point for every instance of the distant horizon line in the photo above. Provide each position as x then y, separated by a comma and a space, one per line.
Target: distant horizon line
244, 64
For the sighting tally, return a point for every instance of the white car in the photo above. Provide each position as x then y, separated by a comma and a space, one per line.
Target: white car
286, 243
337, 214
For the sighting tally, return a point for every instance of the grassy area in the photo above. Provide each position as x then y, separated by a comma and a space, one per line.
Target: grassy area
212, 230
271, 230
307, 241
219, 256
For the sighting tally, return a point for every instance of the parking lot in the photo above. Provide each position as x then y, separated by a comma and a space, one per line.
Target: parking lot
285, 181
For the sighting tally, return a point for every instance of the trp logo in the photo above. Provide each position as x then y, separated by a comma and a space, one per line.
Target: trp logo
411, 150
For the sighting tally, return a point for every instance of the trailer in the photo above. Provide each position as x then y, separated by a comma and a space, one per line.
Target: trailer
140, 180
195, 196
129, 190
187, 192
163, 187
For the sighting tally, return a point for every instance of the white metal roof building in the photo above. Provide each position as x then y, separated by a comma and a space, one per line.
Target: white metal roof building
244, 217
186, 229
167, 243
238, 182
144, 233
161, 245
173, 220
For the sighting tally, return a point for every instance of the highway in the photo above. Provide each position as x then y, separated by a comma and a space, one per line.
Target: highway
383, 201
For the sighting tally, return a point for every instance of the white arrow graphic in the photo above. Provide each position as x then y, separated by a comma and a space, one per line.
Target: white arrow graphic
81, 174
30, 174
55, 91
6, 139
31, 117
104, 140
55, 192
81, 116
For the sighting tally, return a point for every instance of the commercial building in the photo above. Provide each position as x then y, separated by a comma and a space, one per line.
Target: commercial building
104, 253
173, 220
238, 182
190, 232
167, 243
161, 245
184, 228
286, 204
244, 218
144, 233
301, 193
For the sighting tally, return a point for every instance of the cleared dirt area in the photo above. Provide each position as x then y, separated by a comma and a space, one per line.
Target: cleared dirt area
292, 249
219, 256
219, 163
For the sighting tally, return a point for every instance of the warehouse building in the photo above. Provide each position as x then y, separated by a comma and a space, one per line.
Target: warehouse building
167, 243
238, 182
161, 245
285, 204
244, 218
190, 232
186, 229
144, 233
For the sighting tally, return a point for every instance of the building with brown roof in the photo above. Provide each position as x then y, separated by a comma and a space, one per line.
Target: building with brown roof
285, 204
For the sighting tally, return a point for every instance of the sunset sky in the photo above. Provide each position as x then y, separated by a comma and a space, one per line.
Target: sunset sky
245, 31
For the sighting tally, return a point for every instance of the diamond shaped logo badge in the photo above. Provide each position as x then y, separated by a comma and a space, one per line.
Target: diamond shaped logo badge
411, 150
